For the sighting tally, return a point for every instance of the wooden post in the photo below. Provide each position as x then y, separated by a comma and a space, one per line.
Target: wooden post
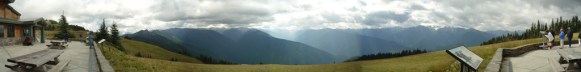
462, 67
42, 34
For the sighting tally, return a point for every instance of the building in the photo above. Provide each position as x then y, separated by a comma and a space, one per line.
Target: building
13, 31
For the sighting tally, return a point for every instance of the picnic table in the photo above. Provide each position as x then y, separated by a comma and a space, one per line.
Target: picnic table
34, 61
571, 55
57, 44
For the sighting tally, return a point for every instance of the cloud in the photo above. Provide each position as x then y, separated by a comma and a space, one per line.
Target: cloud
135, 15
383, 17
504, 14
215, 12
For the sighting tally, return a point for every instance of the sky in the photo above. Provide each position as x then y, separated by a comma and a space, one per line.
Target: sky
134, 15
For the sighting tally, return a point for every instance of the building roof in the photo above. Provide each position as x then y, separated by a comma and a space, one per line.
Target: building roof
13, 10
9, 21
9, 1
12, 21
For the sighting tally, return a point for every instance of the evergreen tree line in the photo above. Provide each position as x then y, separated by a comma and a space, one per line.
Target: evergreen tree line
54, 25
388, 55
534, 30
63, 29
210, 60
77, 28
112, 38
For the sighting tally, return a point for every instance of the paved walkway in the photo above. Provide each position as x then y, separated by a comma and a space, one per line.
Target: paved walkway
539, 61
77, 52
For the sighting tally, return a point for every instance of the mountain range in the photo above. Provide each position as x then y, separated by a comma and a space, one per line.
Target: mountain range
308, 46
250, 47
422, 37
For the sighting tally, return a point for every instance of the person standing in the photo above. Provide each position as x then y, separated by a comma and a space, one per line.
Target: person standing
561, 38
550, 38
569, 36
90, 39
552, 35
66, 37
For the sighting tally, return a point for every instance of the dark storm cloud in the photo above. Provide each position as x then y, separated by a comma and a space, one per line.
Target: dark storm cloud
563, 4
384, 16
219, 12
417, 7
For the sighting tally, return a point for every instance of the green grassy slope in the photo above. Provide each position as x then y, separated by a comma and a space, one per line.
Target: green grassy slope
432, 61
437, 61
156, 52
133, 47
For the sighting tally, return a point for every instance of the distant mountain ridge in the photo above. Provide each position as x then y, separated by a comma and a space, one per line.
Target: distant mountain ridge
315, 46
346, 45
252, 47
422, 37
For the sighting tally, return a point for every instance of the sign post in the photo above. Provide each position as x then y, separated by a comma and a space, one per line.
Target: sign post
469, 61
101, 42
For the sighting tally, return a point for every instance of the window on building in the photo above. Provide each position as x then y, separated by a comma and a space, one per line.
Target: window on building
10, 30
1, 31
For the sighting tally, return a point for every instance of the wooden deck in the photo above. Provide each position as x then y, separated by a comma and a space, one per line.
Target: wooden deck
76, 52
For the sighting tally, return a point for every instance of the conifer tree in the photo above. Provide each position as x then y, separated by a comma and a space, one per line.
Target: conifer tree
63, 31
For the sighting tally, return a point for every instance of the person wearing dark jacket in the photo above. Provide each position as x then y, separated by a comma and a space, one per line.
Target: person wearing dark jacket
553, 34
569, 36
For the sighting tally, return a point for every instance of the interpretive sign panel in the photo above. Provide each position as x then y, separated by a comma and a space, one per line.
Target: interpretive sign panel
465, 56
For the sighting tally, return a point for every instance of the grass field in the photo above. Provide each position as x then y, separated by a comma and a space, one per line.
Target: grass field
127, 62
432, 61
122, 62
156, 52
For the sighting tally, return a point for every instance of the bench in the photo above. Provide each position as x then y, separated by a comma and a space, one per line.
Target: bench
11, 66
34, 61
59, 67
65, 45
58, 45
555, 65
570, 56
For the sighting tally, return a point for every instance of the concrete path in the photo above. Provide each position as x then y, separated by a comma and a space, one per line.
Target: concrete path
539, 61
77, 52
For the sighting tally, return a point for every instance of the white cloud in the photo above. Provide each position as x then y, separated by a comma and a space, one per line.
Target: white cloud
135, 15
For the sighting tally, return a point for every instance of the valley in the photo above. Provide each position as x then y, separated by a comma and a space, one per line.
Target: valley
323, 46
431, 61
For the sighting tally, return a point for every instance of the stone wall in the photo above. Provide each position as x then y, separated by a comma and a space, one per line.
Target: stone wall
10, 41
496, 61
14, 41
